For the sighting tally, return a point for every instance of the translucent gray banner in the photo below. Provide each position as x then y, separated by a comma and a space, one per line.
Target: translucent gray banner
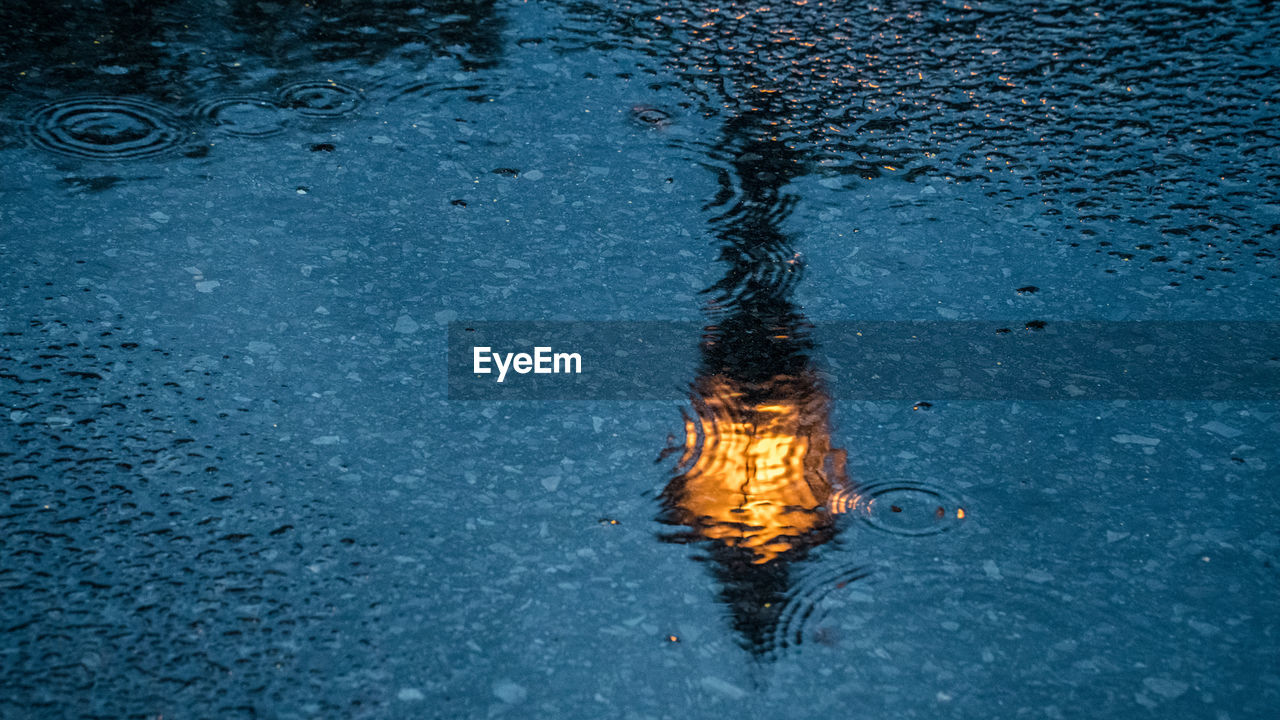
870, 360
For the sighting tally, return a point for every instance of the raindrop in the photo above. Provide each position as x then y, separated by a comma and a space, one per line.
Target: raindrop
321, 99
901, 507
105, 128
243, 116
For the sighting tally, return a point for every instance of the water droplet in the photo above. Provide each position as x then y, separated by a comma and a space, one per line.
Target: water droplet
321, 99
243, 116
901, 507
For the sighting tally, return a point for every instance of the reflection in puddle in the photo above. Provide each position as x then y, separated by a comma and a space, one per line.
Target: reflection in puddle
757, 479
758, 482
758, 471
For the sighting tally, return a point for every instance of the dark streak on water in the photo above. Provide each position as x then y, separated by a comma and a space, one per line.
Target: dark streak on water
759, 481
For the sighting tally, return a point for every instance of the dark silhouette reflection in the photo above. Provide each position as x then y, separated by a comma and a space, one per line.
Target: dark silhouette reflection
295, 33
63, 45
132, 80
758, 481
173, 50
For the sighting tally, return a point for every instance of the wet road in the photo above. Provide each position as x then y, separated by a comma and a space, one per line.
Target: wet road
233, 238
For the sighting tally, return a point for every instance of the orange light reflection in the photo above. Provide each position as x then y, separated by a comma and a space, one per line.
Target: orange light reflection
759, 475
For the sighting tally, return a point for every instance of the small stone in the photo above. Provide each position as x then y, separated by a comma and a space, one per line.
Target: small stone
727, 689
207, 286
533, 175
406, 325
509, 692
1203, 628
1038, 576
258, 347
1165, 687
326, 440
551, 482
159, 217
1128, 439
444, 317
1222, 429
410, 695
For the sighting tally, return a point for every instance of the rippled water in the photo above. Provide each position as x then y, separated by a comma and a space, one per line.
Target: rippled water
105, 128
320, 99
232, 238
245, 116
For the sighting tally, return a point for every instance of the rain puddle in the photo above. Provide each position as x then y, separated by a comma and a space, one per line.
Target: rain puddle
950, 325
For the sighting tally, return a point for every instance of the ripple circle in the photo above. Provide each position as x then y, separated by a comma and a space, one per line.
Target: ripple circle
105, 128
243, 116
323, 99
903, 507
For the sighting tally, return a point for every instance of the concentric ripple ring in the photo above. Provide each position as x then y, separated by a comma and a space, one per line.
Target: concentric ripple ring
320, 98
243, 116
105, 128
902, 507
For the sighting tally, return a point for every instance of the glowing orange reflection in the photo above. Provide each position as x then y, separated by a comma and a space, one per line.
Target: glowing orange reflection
758, 471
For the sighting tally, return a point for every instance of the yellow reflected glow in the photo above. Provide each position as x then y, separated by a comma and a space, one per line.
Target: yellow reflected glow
758, 474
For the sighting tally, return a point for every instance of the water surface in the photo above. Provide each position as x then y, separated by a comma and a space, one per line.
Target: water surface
234, 237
